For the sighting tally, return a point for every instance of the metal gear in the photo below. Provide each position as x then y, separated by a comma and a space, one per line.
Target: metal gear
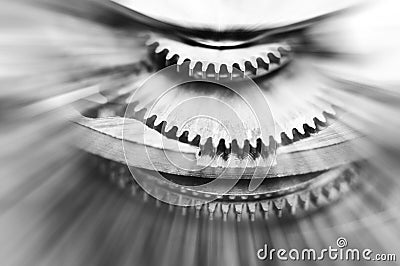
129, 141
208, 62
275, 197
307, 161
295, 98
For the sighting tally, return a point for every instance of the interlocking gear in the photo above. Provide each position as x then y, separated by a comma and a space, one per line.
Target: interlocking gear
314, 157
208, 62
294, 97
275, 197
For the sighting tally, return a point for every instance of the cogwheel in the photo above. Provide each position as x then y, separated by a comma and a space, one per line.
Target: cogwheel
295, 99
129, 141
208, 62
295, 195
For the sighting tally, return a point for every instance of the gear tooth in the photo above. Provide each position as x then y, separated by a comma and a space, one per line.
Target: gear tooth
316, 196
192, 65
227, 144
180, 131
225, 210
229, 68
308, 129
266, 59
285, 139
235, 147
211, 206
253, 142
264, 142
217, 67
151, 121
228, 140
168, 127
260, 64
305, 198
310, 122
198, 208
327, 116
333, 192
251, 207
196, 141
203, 141
289, 133
169, 56
292, 202
204, 66
242, 66
249, 68
279, 204
275, 52
273, 144
240, 143
301, 130
246, 147
330, 109
265, 207
296, 134
326, 190
192, 136
321, 117
238, 211
180, 60
161, 127
319, 124
253, 62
